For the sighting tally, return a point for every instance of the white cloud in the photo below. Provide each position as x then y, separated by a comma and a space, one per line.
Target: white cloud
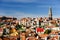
19, 14
7, 5
19, 0
47, 6
43, 6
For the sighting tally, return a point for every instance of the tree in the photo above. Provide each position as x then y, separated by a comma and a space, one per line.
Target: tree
1, 24
56, 25
18, 27
47, 31
4, 18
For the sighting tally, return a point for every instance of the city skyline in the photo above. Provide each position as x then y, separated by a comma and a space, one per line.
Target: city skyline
29, 8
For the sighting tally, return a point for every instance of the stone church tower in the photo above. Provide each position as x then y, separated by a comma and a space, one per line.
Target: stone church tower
50, 13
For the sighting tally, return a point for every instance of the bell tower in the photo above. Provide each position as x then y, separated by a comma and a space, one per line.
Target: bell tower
50, 13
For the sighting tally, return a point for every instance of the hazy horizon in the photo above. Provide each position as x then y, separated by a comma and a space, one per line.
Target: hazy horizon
29, 8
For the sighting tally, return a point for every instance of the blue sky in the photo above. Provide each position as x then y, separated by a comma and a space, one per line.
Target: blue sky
29, 8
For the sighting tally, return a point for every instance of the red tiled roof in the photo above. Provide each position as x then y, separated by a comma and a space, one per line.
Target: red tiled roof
43, 35
39, 29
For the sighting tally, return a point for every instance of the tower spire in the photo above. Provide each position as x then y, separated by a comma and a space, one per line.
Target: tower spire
50, 13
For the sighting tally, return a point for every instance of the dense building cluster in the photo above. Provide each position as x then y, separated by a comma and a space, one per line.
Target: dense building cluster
8, 28
40, 28
29, 28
